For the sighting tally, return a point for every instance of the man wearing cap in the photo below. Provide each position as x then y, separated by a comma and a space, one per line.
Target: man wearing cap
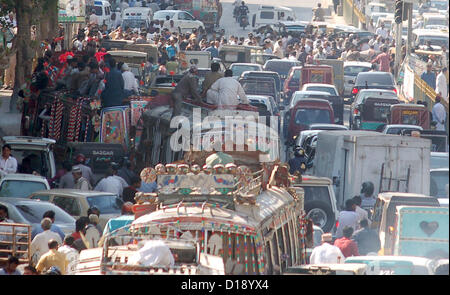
130, 85
86, 171
39, 245
80, 182
326, 253
186, 88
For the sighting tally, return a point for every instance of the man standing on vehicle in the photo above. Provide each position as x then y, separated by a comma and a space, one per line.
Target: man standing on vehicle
298, 163
86, 171
383, 59
441, 84
367, 239
439, 114
226, 90
8, 164
429, 76
186, 88
211, 77
326, 253
80, 182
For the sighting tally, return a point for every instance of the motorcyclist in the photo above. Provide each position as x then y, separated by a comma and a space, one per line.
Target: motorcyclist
319, 13
243, 9
298, 163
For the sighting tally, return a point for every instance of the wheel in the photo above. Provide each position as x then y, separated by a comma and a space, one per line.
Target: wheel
320, 213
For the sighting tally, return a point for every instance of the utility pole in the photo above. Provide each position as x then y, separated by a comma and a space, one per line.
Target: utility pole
398, 17
409, 8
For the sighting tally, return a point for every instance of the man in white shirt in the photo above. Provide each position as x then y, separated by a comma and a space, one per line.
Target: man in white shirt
130, 85
72, 255
347, 217
326, 253
362, 214
112, 183
441, 83
226, 90
93, 19
320, 54
439, 114
39, 245
381, 31
8, 164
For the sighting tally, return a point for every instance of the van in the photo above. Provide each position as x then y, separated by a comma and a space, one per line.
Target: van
102, 11
271, 15
137, 18
384, 215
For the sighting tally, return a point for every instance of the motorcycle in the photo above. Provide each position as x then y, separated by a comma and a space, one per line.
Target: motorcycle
243, 21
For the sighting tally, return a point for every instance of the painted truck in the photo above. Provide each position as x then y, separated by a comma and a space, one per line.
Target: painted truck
207, 11
391, 162
422, 232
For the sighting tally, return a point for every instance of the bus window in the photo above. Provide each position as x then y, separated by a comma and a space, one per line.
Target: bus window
275, 257
282, 248
268, 260
287, 237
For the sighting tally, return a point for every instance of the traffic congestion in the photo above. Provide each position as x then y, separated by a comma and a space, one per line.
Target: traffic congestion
207, 137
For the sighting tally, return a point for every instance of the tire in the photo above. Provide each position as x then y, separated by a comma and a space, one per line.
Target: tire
322, 211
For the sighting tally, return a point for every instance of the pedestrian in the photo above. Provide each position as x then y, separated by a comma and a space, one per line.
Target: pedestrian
347, 218
66, 180
110, 183
11, 267
429, 76
4, 219
8, 164
362, 214
367, 239
130, 191
81, 183
95, 211
367, 198
54, 228
39, 245
326, 253
52, 258
347, 246
441, 84
80, 243
72, 255
439, 114
298, 163
335, 4
30, 270
381, 31
383, 60
130, 82
212, 49
92, 233
93, 19
125, 171
86, 171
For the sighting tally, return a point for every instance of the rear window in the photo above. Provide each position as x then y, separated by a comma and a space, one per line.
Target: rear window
239, 69
134, 23
375, 80
20, 188
29, 160
106, 204
355, 70
377, 112
281, 67
317, 193
267, 15
34, 212
312, 116
330, 90
162, 14
438, 183
438, 162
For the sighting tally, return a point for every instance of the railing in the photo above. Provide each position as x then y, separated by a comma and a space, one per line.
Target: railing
12, 233
352, 14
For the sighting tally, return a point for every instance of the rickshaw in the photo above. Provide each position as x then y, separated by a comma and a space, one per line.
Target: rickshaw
410, 114
372, 112
305, 112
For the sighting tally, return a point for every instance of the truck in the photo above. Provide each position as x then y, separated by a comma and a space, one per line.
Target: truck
207, 11
422, 231
391, 162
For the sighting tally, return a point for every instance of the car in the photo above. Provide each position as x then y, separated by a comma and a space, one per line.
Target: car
183, 20
330, 89
320, 201
375, 7
268, 101
77, 202
263, 74
30, 212
439, 182
399, 129
351, 70
298, 95
239, 68
366, 93
281, 66
434, 21
38, 150
373, 80
17, 185
438, 160
437, 38
395, 265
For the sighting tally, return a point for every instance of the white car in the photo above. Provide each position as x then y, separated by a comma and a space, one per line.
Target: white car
439, 182
183, 20
351, 70
17, 185
298, 95
435, 21
329, 88
397, 129
262, 99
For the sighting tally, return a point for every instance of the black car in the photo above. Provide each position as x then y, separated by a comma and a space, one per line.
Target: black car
373, 80
281, 66
264, 74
